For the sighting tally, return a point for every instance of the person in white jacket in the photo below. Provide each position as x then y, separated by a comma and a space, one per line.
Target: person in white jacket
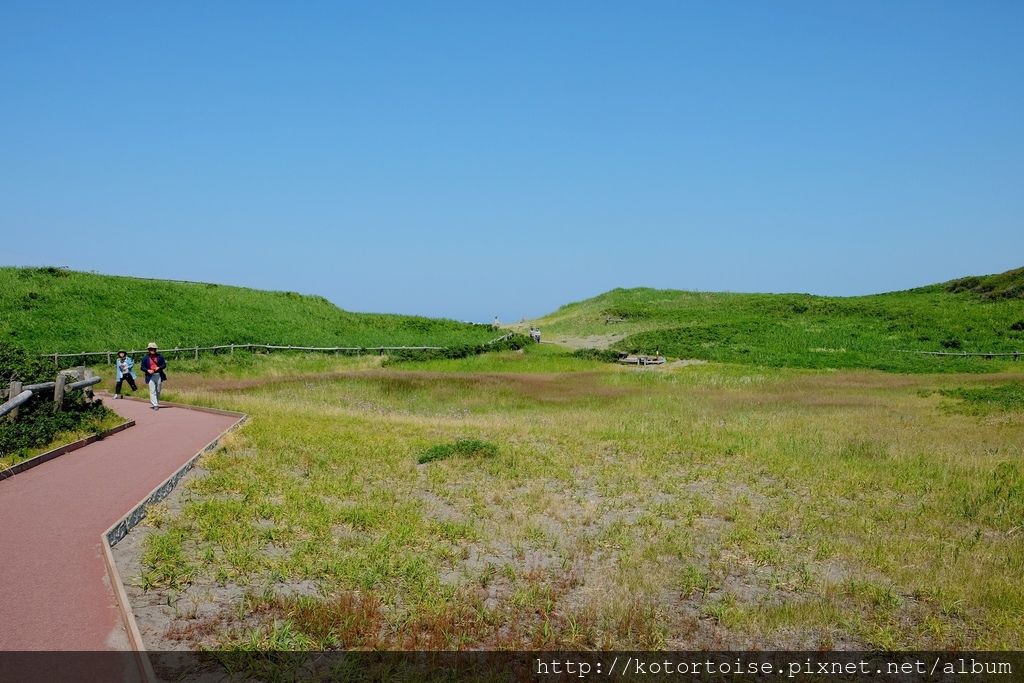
124, 373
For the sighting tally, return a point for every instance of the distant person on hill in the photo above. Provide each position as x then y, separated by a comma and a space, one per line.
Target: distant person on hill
153, 366
124, 373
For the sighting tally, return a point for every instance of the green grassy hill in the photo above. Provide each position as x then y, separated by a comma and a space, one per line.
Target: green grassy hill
51, 310
1008, 285
983, 314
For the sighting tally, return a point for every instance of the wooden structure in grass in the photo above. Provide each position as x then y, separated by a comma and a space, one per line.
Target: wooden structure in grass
641, 359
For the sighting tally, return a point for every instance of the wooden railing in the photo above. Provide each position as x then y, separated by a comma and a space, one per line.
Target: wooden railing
230, 348
18, 395
1016, 355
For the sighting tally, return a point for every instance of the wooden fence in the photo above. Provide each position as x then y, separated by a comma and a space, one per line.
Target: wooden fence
1016, 355
109, 356
18, 395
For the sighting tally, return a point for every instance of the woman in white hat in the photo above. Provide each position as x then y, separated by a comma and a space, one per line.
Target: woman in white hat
153, 366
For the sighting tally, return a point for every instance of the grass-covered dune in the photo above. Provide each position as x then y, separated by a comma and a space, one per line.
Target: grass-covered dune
976, 314
50, 310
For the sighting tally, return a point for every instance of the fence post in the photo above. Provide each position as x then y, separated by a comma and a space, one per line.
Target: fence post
87, 373
56, 363
232, 352
15, 390
58, 391
197, 353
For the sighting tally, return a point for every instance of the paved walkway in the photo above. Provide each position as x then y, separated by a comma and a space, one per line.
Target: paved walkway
56, 592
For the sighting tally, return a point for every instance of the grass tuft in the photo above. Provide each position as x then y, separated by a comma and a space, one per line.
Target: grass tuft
1002, 397
463, 448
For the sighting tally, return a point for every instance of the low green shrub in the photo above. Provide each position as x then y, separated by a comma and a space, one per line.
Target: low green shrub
603, 355
625, 313
986, 399
464, 448
513, 342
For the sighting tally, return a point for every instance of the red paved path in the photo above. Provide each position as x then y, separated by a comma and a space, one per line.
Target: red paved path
56, 592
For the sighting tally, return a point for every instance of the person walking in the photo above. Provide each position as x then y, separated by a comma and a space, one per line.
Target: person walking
153, 366
124, 373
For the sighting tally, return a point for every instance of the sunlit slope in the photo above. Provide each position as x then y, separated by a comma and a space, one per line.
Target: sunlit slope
978, 314
51, 310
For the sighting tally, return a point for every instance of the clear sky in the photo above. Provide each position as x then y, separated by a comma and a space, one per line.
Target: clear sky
472, 159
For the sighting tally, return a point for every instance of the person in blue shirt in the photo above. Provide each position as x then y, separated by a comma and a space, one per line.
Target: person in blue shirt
124, 373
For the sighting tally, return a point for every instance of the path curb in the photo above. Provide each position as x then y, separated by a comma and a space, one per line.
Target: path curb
131, 628
186, 406
62, 450
119, 529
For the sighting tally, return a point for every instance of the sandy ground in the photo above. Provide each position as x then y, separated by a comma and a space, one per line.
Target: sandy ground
595, 341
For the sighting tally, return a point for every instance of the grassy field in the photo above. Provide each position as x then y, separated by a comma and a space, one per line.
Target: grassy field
983, 314
48, 310
538, 500
785, 494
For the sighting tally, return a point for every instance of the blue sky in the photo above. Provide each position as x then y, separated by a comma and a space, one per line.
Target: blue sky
468, 159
